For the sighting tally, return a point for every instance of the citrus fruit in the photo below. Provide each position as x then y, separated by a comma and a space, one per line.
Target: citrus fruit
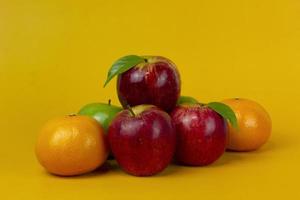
254, 125
71, 145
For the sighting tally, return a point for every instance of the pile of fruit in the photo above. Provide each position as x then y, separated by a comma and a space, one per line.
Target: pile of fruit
155, 127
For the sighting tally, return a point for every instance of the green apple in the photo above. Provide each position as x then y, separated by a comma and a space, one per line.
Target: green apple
104, 113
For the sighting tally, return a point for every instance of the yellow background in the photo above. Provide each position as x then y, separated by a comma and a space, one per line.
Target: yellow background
54, 56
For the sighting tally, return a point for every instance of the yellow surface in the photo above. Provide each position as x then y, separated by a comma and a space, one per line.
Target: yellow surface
54, 56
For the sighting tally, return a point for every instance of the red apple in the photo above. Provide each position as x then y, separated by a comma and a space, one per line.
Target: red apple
142, 140
201, 134
155, 81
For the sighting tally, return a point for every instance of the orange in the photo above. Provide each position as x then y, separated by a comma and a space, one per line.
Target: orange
71, 145
254, 125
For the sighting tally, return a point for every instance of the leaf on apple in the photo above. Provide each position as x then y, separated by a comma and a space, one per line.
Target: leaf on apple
186, 100
122, 65
225, 111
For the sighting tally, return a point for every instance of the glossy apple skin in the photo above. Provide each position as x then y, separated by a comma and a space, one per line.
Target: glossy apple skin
103, 113
201, 134
156, 82
144, 144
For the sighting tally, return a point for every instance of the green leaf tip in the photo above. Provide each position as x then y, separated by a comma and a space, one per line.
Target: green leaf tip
187, 100
225, 111
122, 65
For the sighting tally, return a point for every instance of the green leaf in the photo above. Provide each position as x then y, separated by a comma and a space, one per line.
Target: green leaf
122, 65
225, 111
186, 100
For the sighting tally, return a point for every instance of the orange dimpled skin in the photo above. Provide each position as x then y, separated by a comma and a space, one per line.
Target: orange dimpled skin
71, 145
254, 125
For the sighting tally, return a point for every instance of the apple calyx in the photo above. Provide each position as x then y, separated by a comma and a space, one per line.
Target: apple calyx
122, 65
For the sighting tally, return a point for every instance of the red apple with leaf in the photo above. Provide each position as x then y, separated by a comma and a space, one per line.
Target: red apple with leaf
201, 130
146, 80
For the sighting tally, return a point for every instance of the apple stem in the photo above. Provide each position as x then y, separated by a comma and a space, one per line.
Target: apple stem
109, 101
145, 60
130, 110
201, 104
